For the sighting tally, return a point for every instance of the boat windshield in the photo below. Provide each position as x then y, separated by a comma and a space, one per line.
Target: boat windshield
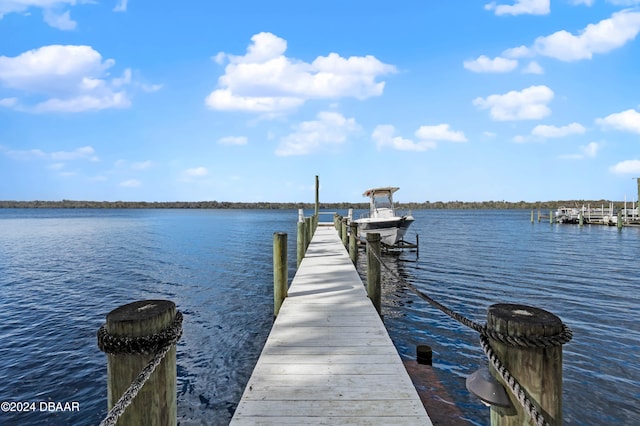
382, 201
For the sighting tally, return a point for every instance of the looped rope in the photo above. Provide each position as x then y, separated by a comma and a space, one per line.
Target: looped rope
158, 343
559, 339
544, 342
145, 345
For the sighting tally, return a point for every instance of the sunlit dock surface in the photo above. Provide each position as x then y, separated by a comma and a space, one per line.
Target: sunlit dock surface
329, 359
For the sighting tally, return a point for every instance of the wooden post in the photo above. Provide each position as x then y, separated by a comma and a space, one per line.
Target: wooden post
353, 243
551, 216
309, 232
531, 215
539, 215
424, 355
317, 209
300, 242
374, 290
345, 234
619, 221
280, 277
156, 401
538, 370
580, 218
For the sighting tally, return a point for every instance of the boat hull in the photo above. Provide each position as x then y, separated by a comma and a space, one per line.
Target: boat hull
391, 230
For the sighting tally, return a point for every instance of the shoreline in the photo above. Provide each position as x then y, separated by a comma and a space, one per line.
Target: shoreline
442, 205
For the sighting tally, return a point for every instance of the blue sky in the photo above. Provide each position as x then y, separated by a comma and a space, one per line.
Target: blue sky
465, 100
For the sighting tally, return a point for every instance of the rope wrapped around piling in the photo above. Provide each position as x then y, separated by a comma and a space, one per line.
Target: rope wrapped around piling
142, 345
564, 336
159, 344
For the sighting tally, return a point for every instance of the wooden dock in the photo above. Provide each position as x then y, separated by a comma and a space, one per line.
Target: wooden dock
329, 359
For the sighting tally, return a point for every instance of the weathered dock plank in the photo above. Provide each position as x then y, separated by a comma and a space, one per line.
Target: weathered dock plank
329, 358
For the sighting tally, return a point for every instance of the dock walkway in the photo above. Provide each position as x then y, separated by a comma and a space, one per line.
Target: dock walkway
329, 359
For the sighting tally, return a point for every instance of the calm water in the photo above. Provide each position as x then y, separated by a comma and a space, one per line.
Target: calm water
62, 271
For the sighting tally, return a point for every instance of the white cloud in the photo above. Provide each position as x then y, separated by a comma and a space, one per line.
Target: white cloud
233, 140
124, 80
61, 21
56, 166
384, 135
440, 132
26, 154
586, 151
602, 37
518, 52
265, 80
590, 150
627, 121
533, 68
51, 10
83, 153
485, 64
142, 165
136, 165
8, 102
528, 104
131, 183
626, 167
428, 137
546, 131
121, 6
624, 2
196, 172
330, 129
60, 78
150, 88
521, 7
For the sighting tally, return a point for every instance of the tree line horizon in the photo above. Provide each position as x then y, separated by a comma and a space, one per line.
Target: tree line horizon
451, 205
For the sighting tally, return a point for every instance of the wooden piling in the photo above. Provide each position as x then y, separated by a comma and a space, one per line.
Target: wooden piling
580, 218
538, 370
424, 354
308, 232
345, 234
156, 400
551, 216
374, 290
300, 242
317, 205
619, 219
280, 274
353, 243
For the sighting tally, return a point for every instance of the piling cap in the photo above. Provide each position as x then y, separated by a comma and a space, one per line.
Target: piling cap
523, 314
141, 310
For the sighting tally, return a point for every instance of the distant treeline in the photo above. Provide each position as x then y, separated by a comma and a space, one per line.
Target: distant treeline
453, 205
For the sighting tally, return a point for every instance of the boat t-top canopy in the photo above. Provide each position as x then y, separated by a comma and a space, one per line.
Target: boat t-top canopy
373, 191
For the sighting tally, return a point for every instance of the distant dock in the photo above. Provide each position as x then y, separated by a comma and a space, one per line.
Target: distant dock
329, 358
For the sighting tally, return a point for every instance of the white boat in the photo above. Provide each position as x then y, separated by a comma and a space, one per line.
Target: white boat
383, 218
